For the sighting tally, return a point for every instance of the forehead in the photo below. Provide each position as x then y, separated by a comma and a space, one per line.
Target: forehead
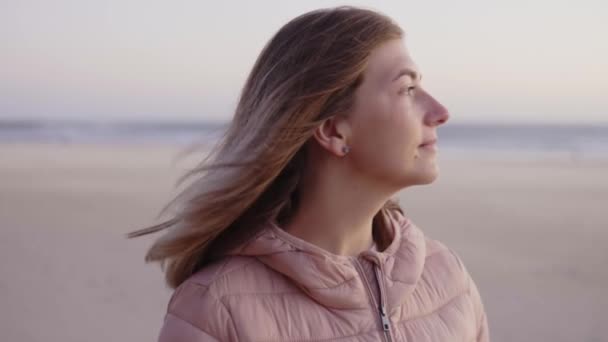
387, 59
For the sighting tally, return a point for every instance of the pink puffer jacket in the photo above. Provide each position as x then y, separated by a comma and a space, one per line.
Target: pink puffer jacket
281, 288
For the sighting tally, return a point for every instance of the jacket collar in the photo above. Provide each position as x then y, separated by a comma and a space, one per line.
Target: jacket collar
333, 280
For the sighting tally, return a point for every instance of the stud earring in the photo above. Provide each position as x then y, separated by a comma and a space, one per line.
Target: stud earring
345, 149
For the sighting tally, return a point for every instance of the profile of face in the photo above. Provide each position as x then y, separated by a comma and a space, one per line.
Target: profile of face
394, 121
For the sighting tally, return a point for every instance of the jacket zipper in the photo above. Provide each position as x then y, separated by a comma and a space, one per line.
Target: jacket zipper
386, 322
381, 308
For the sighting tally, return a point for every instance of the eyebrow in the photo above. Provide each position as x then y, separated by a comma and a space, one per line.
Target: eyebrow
408, 72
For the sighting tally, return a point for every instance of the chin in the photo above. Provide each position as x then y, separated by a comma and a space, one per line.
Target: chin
429, 179
421, 178
424, 177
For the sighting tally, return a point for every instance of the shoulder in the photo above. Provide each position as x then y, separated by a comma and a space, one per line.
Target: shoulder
208, 286
453, 279
236, 275
196, 309
201, 301
446, 265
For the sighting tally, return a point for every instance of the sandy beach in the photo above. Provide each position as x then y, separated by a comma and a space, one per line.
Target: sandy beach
534, 234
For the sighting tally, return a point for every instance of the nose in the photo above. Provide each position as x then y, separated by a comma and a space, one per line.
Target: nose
436, 113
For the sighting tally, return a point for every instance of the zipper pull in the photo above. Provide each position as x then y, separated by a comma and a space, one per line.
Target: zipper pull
385, 321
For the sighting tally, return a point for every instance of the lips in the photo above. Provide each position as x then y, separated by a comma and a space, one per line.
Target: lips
428, 142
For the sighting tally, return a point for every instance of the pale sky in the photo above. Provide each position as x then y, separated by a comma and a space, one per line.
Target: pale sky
505, 61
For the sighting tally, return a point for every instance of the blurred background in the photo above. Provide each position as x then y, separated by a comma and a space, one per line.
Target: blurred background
98, 98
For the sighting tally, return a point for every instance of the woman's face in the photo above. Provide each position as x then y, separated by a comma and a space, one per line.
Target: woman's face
392, 118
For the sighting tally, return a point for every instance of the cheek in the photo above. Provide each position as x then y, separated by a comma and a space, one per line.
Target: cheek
385, 136
371, 127
402, 136
408, 131
396, 128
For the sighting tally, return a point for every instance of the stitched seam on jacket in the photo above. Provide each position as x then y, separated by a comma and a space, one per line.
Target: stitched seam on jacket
434, 254
332, 338
221, 276
332, 287
310, 288
191, 324
236, 332
462, 293
406, 283
262, 294
302, 339
470, 282
480, 320
210, 293
273, 271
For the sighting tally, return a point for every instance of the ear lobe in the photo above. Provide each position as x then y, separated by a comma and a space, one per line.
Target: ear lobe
331, 135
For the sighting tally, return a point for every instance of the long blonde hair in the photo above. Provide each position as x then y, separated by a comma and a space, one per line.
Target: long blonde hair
305, 74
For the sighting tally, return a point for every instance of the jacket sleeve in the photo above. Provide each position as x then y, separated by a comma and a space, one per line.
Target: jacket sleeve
176, 329
194, 314
481, 320
483, 334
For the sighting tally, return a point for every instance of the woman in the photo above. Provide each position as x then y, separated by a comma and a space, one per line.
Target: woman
288, 231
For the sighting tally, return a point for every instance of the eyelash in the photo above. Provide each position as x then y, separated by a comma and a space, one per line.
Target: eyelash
407, 89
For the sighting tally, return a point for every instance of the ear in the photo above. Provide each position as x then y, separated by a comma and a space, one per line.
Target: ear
333, 135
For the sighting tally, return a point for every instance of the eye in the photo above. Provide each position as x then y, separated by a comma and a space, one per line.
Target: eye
407, 89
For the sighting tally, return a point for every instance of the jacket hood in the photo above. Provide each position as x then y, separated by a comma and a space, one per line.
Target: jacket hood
333, 280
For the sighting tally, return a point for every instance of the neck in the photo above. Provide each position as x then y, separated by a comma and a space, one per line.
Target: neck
336, 212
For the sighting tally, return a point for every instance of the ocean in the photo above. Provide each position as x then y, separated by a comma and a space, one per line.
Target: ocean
457, 140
